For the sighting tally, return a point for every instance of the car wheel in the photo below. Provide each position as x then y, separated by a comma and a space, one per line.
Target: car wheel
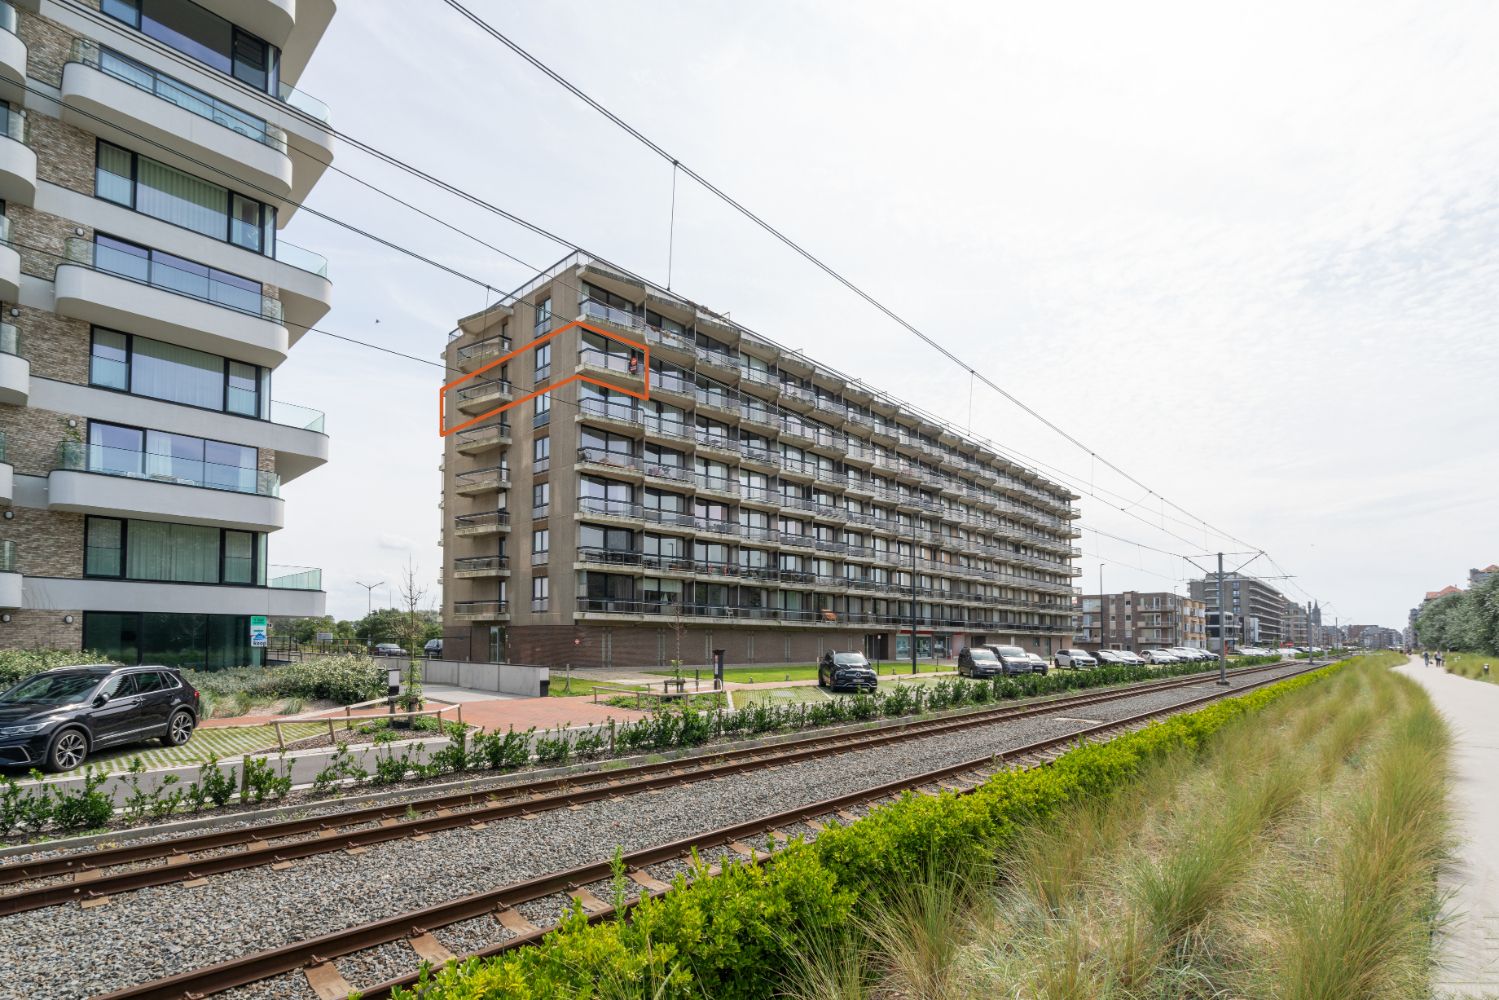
179, 729
67, 750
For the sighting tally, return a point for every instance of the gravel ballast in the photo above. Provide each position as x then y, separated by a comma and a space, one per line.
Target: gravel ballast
62, 953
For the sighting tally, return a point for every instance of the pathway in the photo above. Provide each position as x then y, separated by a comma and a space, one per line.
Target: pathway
1469, 950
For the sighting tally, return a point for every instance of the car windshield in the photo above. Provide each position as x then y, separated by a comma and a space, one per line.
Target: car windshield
984, 654
850, 660
1009, 651
51, 689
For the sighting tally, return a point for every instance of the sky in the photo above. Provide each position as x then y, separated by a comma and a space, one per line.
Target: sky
1247, 255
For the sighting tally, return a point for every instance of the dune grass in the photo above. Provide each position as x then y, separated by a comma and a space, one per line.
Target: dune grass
1471, 665
1292, 858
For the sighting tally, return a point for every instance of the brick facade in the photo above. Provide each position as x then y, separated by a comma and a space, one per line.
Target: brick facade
48, 45
58, 348
41, 630
32, 437
48, 543
64, 155
41, 239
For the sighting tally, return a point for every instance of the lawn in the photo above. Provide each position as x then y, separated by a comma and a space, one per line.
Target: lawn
1296, 857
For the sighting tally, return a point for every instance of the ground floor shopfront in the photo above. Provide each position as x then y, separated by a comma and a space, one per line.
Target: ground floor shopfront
192, 641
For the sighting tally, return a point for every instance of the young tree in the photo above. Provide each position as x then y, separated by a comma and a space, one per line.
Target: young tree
413, 631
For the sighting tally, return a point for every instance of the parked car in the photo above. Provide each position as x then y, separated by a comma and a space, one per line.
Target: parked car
1253, 651
55, 719
1014, 659
433, 649
979, 661
1189, 653
1076, 659
389, 649
1129, 658
1038, 665
846, 670
1109, 658
1159, 656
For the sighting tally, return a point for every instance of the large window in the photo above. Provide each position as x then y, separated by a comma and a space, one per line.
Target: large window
180, 458
145, 367
177, 274
202, 642
171, 195
161, 551
205, 36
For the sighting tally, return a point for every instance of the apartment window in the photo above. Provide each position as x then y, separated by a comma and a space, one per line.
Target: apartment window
145, 367
541, 454
614, 444
133, 549
541, 590
654, 591
543, 410
171, 195
710, 552
595, 536
132, 451
665, 547
540, 545
177, 274
203, 35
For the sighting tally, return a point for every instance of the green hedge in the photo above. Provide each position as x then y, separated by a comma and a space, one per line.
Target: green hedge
737, 936
16, 664
344, 679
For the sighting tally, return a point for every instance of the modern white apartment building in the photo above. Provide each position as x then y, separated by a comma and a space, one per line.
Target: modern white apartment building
759, 502
152, 150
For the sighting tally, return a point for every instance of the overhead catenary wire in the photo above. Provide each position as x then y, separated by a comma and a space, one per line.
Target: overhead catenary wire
542, 231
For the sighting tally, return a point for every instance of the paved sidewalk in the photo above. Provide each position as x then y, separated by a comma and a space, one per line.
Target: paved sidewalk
1469, 950
543, 713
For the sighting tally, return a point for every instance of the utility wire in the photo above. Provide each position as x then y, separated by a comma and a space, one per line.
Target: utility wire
806, 254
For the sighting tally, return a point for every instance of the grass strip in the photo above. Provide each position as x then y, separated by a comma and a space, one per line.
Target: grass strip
744, 933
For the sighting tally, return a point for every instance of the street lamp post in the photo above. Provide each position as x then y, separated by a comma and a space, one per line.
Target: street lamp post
1100, 605
913, 593
369, 600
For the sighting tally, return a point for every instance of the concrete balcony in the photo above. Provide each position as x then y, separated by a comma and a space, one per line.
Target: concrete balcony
12, 57
112, 95
482, 395
126, 292
294, 433
480, 567
490, 522
15, 371
90, 479
10, 577
17, 159
482, 438
476, 481
10, 265
177, 598
481, 611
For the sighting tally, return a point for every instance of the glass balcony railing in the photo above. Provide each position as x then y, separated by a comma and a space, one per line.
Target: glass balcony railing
76, 456
10, 339
301, 258
305, 103
2, 447
173, 274
295, 578
292, 415
8, 548
174, 91
7, 18
13, 124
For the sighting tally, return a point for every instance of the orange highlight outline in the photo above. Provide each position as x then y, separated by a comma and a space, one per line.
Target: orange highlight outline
645, 370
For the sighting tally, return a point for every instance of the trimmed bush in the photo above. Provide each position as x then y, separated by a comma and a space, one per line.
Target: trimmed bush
18, 664
737, 936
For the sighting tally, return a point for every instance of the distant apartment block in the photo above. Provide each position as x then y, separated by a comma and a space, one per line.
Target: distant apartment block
1134, 621
759, 502
1256, 611
150, 154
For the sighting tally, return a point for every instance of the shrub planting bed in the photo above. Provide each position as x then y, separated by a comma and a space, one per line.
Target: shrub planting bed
744, 933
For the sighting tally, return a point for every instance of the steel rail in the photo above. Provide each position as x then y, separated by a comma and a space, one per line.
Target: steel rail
200, 982
523, 799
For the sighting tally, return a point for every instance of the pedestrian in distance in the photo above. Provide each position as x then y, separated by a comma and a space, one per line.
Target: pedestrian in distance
1426, 656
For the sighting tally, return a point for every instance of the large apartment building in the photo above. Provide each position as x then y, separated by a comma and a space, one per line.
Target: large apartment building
1134, 621
758, 502
152, 150
1257, 612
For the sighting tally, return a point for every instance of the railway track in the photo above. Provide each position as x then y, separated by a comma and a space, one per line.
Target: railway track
316, 957
96, 875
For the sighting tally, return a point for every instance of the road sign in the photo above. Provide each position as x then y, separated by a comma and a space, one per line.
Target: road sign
257, 631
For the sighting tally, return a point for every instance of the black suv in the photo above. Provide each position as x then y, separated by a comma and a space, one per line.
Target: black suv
846, 670
56, 718
979, 661
1014, 659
